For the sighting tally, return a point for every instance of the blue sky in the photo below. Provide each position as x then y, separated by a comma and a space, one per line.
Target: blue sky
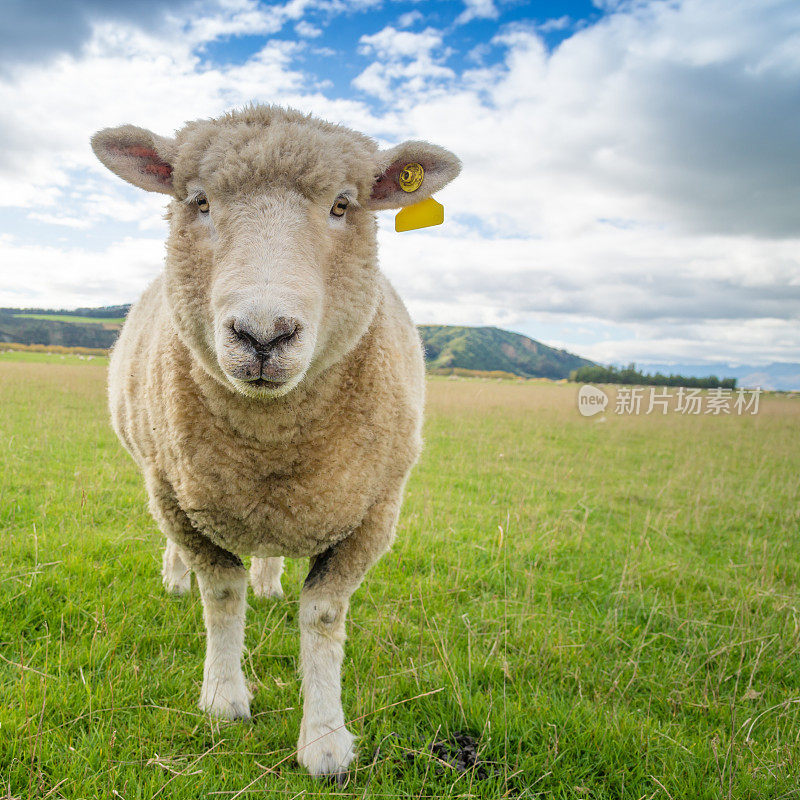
631, 183
470, 41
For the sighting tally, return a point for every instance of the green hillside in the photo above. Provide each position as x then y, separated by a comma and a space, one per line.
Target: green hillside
28, 330
98, 313
448, 346
74, 319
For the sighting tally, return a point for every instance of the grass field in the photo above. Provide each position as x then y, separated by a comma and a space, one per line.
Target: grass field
50, 358
108, 321
609, 609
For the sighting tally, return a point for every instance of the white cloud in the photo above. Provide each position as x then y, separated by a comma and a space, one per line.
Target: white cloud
61, 219
250, 19
54, 277
477, 9
555, 24
391, 44
658, 287
747, 341
307, 30
121, 78
408, 19
407, 62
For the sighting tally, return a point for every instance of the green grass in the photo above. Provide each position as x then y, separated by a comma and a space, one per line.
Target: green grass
74, 319
51, 358
610, 609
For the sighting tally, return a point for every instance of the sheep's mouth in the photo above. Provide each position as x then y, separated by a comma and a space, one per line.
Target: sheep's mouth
262, 388
266, 383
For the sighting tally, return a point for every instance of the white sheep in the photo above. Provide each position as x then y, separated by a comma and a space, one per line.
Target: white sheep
269, 383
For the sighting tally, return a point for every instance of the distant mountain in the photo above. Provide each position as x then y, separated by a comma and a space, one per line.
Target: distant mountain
489, 349
102, 312
446, 346
781, 376
56, 332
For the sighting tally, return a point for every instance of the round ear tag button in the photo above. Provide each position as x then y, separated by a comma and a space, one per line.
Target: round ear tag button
411, 177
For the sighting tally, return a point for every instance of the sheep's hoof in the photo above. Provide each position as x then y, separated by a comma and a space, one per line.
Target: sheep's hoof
265, 577
326, 753
336, 779
268, 590
225, 700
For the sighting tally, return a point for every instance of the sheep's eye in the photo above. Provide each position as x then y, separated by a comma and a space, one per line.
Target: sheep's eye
202, 203
340, 206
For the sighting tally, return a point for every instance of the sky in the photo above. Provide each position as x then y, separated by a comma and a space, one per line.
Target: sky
631, 168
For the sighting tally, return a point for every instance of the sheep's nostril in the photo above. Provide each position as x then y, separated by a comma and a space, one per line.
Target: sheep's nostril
245, 336
264, 341
283, 337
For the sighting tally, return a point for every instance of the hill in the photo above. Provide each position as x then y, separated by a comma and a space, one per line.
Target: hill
34, 330
489, 349
101, 312
446, 346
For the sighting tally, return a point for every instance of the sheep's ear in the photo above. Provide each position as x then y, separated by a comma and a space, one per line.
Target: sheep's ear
401, 182
138, 156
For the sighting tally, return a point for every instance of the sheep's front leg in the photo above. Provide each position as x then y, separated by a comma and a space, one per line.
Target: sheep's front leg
177, 577
222, 579
225, 693
265, 577
325, 746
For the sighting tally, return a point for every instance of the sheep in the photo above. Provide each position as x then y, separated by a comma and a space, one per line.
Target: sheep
269, 383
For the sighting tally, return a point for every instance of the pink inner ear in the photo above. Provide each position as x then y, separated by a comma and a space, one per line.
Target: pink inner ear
150, 163
387, 184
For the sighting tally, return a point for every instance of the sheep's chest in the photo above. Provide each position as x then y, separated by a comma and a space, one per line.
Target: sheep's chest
281, 499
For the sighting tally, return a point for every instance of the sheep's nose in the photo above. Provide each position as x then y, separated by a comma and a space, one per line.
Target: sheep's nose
265, 340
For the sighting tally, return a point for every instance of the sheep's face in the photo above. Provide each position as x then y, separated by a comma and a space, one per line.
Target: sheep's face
268, 266
272, 269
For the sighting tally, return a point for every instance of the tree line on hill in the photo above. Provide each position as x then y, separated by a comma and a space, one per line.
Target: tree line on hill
630, 375
24, 330
101, 312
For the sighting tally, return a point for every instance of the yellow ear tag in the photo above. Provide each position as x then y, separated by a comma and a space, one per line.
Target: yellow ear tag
420, 215
411, 177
